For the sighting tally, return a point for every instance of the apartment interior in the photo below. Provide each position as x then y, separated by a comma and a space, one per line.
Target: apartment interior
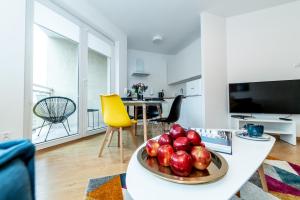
94, 92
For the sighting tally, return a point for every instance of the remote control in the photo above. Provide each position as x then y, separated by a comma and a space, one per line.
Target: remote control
285, 119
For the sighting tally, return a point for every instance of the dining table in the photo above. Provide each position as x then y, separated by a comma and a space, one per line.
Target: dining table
144, 104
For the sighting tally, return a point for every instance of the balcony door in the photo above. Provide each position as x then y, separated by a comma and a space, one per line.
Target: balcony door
71, 68
55, 76
98, 76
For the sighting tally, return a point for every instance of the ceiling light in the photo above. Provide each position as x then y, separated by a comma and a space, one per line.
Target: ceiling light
157, 39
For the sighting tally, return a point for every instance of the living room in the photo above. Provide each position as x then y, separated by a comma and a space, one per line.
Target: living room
179, 72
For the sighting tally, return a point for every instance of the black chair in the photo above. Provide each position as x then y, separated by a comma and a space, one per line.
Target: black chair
54, 110
174, 112
151, 112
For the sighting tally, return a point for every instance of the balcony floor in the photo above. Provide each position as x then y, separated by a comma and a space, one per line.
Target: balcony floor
57, 131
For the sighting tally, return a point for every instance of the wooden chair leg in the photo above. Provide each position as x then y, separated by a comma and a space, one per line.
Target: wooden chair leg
133, 137
121, 145
108, 130
118, 138
262, 178
135, 129
110, 137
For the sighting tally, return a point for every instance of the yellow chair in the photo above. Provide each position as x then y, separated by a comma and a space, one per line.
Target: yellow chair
116, 118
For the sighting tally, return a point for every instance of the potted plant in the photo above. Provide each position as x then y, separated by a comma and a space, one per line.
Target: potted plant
139, 89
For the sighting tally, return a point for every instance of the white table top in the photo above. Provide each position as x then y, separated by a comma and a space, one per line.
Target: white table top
246, 158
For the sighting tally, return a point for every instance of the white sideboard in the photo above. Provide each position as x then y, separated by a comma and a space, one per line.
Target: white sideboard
286, 129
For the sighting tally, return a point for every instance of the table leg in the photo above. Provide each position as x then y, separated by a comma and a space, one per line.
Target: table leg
98, 120
88, 119
135, 118
145, 122
262, 178
93, 121
159, 111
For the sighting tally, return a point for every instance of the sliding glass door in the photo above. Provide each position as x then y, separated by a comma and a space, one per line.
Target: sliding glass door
98, 80
55, 84
71, 69
55, 76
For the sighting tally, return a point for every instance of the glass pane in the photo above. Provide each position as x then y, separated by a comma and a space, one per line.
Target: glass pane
97, 85
55, 75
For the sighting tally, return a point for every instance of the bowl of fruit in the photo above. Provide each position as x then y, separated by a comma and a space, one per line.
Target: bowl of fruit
179, 156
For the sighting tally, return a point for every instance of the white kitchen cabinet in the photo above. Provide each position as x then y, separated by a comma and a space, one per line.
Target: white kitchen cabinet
193, 87
166, 106
191, 109
186, 64
191, 112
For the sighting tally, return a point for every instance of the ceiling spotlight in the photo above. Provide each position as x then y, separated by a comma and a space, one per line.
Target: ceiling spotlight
157, 39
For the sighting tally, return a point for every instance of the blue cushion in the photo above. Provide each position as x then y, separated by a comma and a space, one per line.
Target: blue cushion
17, 170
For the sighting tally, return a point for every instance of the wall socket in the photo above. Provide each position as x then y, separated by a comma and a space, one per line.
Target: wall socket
5, 135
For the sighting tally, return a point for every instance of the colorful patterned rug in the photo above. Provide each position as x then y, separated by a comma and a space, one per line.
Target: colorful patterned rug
283, 180
107, 188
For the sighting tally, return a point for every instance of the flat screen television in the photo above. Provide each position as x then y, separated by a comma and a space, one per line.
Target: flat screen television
276, 97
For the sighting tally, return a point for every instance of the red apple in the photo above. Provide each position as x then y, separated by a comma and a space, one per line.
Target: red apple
177, 131
181, 163
193, 137
164, 154
181, 143
165, 170
202, 144
152, 162
165, 139
201, 157
152, 148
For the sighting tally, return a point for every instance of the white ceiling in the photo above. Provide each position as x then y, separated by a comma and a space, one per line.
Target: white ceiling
177, 20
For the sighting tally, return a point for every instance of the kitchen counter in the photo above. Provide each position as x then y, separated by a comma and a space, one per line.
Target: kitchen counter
185, 96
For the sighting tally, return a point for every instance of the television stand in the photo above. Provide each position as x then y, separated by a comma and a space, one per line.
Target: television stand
286, 129
241, 116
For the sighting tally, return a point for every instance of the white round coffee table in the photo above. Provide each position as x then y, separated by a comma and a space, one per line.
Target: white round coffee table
246, 159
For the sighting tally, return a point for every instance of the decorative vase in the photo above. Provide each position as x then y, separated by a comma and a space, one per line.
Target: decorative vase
140, 96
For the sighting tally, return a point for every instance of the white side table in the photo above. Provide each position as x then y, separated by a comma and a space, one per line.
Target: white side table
246, 159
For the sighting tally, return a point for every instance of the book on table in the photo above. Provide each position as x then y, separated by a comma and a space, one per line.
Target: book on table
216, 139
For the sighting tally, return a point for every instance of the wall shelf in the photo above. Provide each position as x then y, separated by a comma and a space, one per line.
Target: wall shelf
140, 74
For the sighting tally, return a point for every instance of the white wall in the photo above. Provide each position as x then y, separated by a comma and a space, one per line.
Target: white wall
214, 72
264, 46
155, 64
12, 54
186, 64
45, 17
91, 15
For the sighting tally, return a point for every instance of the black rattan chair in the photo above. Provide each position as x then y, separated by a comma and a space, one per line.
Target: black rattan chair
54, 110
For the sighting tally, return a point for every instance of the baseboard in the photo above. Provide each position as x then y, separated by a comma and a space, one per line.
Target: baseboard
42, 150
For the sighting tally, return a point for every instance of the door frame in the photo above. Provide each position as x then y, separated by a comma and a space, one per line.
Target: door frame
82, 72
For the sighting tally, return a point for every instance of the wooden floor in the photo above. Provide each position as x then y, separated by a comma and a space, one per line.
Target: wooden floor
63, 172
